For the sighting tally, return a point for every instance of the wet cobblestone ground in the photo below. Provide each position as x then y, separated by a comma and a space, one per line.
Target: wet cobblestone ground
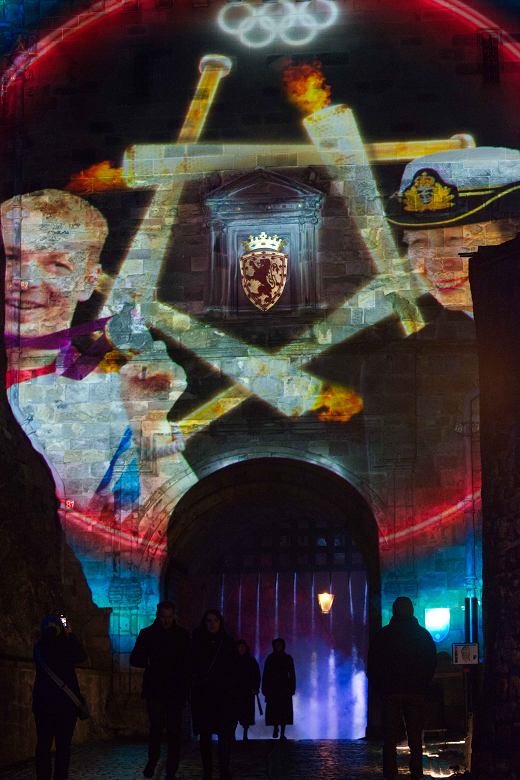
254, 760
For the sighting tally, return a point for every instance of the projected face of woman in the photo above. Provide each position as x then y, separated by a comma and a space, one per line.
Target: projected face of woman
436, 255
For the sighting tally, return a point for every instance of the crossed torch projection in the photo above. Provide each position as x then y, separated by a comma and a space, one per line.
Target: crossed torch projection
278, 379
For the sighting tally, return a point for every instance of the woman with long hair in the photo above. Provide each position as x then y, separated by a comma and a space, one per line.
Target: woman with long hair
214, 658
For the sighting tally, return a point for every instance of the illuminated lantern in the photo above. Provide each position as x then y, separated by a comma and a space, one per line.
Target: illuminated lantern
437, 621
325, 600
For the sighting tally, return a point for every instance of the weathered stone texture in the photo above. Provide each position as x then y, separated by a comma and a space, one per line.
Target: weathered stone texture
495, 288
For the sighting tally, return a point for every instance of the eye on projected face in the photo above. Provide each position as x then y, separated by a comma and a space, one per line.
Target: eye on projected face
54, 266
436, 255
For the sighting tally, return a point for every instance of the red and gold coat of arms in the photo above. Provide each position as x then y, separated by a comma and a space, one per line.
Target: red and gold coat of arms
264, 270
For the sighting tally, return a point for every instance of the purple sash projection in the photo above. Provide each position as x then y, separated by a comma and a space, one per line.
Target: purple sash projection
329, 651
75, 368
56, 340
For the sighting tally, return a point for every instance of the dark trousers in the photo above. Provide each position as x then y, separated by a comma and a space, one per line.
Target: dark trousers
395, 707
59, 727
224, 753
163, 711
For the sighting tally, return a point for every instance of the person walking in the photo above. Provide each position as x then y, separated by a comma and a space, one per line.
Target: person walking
278, 688
401, 664
214, 677
248, 686
55, 713
162, 650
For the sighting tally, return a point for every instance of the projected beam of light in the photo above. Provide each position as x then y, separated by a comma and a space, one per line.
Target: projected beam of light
359, 709
324, 704
350, 597
294, 625
446, 514
295, 24
313, 620
276, 606
474, 17
314, 714
332, 702
105, 530
257, 627
101, 10
239, 624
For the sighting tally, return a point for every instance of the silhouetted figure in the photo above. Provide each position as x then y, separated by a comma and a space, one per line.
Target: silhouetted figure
162, 650
214, 658
278, 687
54, 710
401, 663
248, 686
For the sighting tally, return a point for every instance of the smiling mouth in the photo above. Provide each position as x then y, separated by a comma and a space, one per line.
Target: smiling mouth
445, 285
15, 303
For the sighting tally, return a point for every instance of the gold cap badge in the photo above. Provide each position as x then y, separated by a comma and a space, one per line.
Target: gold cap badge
428, 193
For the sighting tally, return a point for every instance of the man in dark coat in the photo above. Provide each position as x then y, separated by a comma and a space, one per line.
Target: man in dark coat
163, 650
55, 713
278, 687
401, 664
214, 662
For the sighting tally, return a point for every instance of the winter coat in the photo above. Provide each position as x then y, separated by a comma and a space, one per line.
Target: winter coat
248, 681
214, 676
163, 653
401, 657
278, 687
61, 654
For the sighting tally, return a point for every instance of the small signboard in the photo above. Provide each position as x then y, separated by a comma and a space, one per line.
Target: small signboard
464, 653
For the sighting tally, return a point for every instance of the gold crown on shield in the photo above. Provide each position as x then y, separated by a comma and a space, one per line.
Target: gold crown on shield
263, 241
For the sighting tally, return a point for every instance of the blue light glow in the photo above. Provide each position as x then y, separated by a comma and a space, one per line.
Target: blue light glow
437, 622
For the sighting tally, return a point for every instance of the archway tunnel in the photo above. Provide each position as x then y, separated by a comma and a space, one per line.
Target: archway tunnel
259, 540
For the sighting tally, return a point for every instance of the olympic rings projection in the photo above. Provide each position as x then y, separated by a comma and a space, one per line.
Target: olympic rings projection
293, 23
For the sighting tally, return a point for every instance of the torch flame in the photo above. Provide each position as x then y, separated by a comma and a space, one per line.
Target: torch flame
97, 178
337, 403
305, 87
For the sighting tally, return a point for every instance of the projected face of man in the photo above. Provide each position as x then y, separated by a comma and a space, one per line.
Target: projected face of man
54, 265
435, 255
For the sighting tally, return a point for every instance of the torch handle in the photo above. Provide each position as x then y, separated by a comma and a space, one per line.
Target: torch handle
212, 68
335, 134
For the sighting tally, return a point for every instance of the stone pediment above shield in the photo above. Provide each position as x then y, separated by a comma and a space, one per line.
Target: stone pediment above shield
263, 191
263, 201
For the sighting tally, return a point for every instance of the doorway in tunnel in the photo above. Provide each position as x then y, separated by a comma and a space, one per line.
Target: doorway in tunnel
259, 541
267, 586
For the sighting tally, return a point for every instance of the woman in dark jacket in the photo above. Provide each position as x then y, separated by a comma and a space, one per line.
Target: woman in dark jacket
214, 658
248, 686
278, 687
54, 711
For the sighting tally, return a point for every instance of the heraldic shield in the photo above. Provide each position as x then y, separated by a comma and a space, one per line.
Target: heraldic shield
264, 270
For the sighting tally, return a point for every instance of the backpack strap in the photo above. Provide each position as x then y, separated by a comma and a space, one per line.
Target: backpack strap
63, 686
